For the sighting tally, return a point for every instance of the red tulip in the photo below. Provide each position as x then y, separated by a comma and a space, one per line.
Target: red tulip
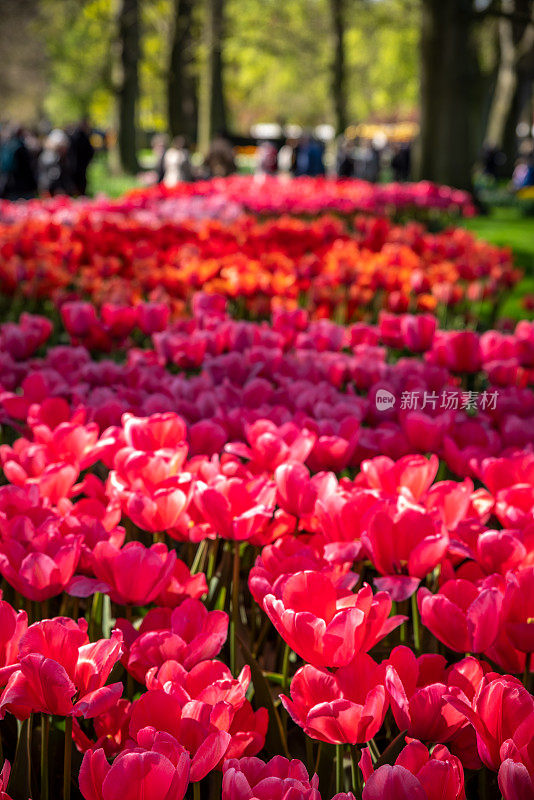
13, 626
296, 493
158, 768
417, 688
325, 629
417, 774
206, 703
418, 331
61, 672
502, 709
518, 609
404, 543
205, 742
289, 555
152, 317
234, 508
411, 476
38, 560
348, 707
515, 781
134, 575
4, 780
278, 779
194, 635
464, 618
157, 432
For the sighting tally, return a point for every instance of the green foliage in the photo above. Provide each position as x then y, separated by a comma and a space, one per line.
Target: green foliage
78, 38
277, 59
278, 56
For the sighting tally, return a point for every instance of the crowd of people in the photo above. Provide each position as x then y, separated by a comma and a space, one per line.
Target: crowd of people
174, 165
56, 161
48, 163
355, 158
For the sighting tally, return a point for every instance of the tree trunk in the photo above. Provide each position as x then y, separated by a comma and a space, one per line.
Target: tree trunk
512, 49
339, 78
212, 117
182, 101
128, 89
449, 85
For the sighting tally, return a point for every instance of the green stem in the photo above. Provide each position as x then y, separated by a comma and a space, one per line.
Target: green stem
196, 791
355, 766
340, 783
45, 728
415, 621
96, 616
235, 608
212, 560
526, 673
285, 668
201, 549
375, 752
67, 759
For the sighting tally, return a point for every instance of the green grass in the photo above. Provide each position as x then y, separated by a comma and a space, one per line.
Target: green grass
509, 227
101, 181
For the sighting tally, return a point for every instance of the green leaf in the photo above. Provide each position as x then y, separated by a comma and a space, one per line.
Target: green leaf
275, 740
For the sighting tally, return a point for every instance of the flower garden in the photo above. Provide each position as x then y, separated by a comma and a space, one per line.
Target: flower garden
266, 500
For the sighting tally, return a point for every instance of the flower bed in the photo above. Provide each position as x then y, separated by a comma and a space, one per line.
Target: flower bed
278, 558
349, 268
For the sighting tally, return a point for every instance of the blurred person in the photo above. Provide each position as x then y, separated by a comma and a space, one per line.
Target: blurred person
177, 163
287, 157
401, 162
220, 161
160, 143
310, 157
523, 176
345, 158
80, 155
54, 172
17, 176
266, 159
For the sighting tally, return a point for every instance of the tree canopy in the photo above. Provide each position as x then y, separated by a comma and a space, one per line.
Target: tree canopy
276, 59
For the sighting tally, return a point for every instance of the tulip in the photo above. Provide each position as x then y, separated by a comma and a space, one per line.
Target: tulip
464, 618
61, 672
502, 709
279, 778
518, 609
416, 774
417, 688
296, 494
4, 780
13, 626
325, 629
194, 635
41, 566
158, 768
405, 543
134, 575
515, 781
348, 707
411, 475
